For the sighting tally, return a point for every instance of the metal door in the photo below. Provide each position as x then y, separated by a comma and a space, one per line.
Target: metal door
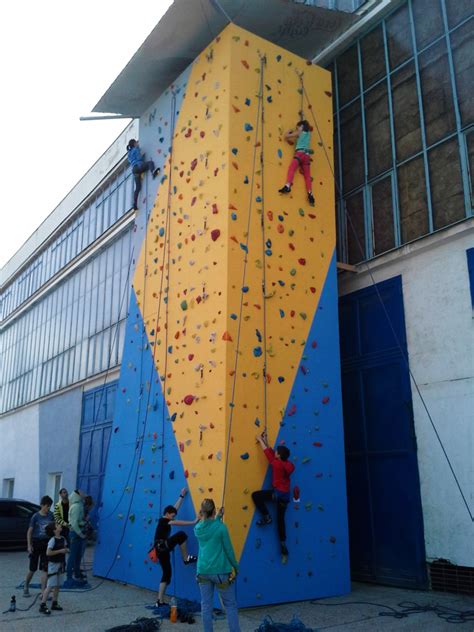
96, 424
383, 488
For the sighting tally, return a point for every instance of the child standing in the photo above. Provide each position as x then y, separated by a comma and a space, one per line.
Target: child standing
37, 543
280, 492
301, 158
56, 553
165, 543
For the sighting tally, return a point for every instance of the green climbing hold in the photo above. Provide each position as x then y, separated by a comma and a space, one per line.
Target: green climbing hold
184, 305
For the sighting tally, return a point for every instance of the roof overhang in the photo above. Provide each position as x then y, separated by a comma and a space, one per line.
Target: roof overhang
190, 25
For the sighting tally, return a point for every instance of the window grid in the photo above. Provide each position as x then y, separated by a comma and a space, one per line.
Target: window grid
97, 217
52, 345
424, 152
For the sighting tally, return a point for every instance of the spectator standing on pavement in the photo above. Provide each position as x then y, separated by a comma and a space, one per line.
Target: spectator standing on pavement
56, 553
37, 540
61, 512
77, 536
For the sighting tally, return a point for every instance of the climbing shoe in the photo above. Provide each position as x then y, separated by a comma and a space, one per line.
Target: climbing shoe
44, 609
156, 172
264, 521
55, 606
283, 549
285, 189
311, 198
191, 559
26, 592
160, 604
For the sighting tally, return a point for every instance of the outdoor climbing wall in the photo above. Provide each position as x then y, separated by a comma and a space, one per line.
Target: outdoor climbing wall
232, 278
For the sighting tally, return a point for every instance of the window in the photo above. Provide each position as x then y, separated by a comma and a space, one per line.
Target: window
348, 76
463, 60
447, 195
438, 104
352, 145
355, 229
373, 57
377, 123
382, 216
55, 484
406, 113
413, 201
8, 487
400, 46
427, 30
458, 10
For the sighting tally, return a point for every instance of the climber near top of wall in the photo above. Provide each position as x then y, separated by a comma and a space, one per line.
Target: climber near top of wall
139, 165
280, 492
165, 543
301, 158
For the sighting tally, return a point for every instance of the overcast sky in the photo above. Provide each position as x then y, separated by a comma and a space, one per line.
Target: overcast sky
57, 59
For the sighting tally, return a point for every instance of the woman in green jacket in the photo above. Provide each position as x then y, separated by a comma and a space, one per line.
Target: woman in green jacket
216, 566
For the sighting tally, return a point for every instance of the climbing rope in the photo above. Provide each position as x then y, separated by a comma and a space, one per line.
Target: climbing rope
381, 301
239, 326
265, 245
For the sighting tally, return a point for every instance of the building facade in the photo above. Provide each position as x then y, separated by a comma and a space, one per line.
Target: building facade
403, 145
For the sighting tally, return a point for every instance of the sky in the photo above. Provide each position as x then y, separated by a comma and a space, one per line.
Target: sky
57, 60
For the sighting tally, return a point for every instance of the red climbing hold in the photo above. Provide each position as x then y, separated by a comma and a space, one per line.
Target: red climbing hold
226, 336
296, 494
292, 411
194, 164
314, 344
245, 63
325, 400
302, 261
214, 209
189, 399
215, 234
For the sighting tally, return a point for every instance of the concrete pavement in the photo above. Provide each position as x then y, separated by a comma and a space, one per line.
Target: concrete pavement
117, 604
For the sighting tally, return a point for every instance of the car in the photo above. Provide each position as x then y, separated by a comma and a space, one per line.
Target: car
15, 516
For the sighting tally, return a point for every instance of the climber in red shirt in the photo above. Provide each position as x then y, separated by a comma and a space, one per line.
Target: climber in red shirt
280, 494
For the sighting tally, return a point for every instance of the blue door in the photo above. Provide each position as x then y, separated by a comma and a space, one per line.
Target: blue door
96, 425
383, 488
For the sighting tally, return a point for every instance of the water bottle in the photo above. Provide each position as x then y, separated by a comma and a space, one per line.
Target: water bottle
173, 610
13, 604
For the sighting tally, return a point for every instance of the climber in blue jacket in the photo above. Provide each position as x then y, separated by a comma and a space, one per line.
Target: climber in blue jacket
139, 165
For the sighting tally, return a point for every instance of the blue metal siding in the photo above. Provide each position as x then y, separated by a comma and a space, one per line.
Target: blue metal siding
385, 516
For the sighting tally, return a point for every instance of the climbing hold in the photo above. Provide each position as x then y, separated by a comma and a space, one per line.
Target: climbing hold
184, 305
245, 456
257, 352
325, 400
226, 336
189, 399
215, 234
248, 127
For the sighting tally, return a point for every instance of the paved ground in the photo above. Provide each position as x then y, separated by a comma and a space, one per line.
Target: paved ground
116, 604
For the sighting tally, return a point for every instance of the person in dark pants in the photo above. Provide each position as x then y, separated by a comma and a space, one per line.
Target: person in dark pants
139, 165
37, 540
280, 492
165, 543
61, 512
77, 535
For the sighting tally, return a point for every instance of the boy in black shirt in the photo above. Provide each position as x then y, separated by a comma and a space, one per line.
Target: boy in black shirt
165, 543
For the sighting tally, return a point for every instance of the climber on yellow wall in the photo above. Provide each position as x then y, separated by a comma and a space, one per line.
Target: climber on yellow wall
280, 492
301, 158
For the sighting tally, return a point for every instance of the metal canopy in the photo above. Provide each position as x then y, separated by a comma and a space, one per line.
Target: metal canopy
190, 25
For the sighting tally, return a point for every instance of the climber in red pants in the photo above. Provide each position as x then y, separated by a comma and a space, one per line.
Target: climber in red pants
280, 492
301, 158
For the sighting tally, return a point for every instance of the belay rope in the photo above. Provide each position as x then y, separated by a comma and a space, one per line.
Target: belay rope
244, 275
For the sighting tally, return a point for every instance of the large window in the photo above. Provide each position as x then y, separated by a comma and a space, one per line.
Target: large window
110, 202
73, 332
404, 100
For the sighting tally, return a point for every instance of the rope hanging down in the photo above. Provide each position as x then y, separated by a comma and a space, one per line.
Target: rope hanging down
239, 327
380, 299
263, 63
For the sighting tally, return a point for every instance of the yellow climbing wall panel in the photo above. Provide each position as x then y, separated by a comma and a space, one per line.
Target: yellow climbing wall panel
224, 173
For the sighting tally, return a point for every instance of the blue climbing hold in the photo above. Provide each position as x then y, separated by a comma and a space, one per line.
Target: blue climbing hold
280, 153
233, 316
257, 351
244, 456
244, 247
234, 216
247, 101
245, 289
248, 127
282, 314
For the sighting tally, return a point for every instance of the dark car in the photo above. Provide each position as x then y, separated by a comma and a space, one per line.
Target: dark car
15, 516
